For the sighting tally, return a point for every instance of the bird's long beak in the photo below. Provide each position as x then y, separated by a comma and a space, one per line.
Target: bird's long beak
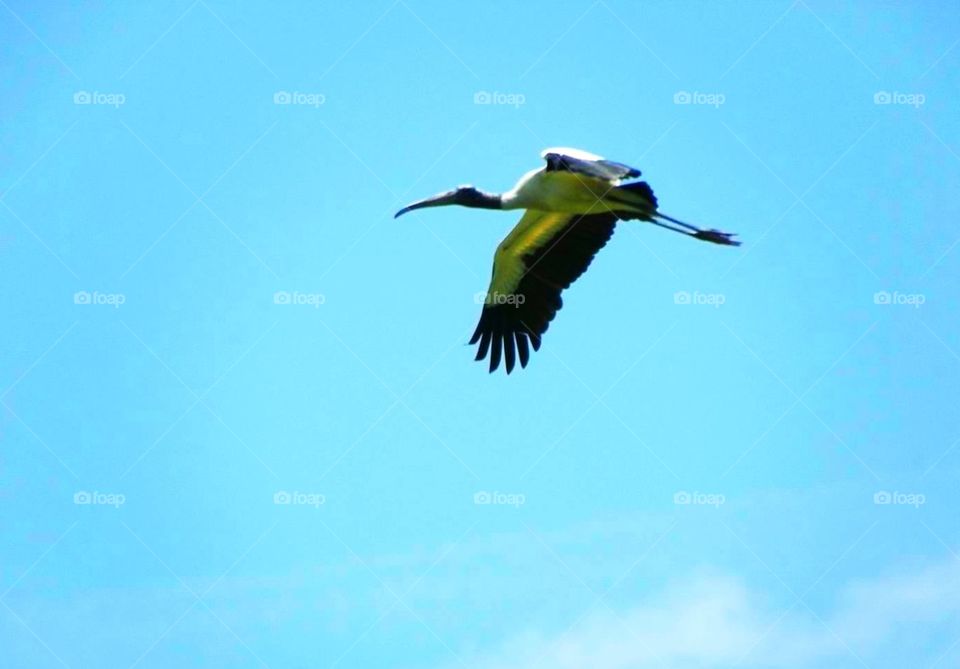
450, 197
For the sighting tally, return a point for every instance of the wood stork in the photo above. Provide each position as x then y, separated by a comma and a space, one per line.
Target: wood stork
572, 205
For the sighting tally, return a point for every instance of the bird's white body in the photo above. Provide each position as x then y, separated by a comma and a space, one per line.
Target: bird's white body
561, 192
564, 191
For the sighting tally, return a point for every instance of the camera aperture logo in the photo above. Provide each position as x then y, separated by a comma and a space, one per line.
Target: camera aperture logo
897, 498
914, 100
96, 298
297, 298
97, 98
684, 498
297, 498
298, 98
97, 498
896, 298
497, 498
715, 300
697, 98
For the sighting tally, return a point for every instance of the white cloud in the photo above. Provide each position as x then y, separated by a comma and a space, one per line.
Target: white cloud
871, 609
717, 621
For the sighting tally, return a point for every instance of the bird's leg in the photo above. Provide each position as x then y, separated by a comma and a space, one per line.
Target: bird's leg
673, 220
669, 227
715, 236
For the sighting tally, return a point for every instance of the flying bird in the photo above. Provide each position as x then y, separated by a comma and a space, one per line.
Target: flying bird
572, 205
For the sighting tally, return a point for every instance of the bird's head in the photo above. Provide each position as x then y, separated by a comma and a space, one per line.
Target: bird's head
464, 196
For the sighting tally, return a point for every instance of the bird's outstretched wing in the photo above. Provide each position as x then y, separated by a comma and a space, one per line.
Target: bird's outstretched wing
594, 167
542, 255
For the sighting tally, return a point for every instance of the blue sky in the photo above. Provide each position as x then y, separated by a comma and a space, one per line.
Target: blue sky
240, 425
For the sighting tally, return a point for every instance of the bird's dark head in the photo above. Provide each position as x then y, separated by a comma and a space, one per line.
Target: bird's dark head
464, 196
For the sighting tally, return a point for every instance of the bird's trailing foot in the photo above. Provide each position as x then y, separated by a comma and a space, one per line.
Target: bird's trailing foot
717, 237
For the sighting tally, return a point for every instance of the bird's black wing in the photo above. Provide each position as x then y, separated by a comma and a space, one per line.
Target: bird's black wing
512, 322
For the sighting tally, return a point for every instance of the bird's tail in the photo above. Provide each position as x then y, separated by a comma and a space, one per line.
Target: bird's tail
637, 198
